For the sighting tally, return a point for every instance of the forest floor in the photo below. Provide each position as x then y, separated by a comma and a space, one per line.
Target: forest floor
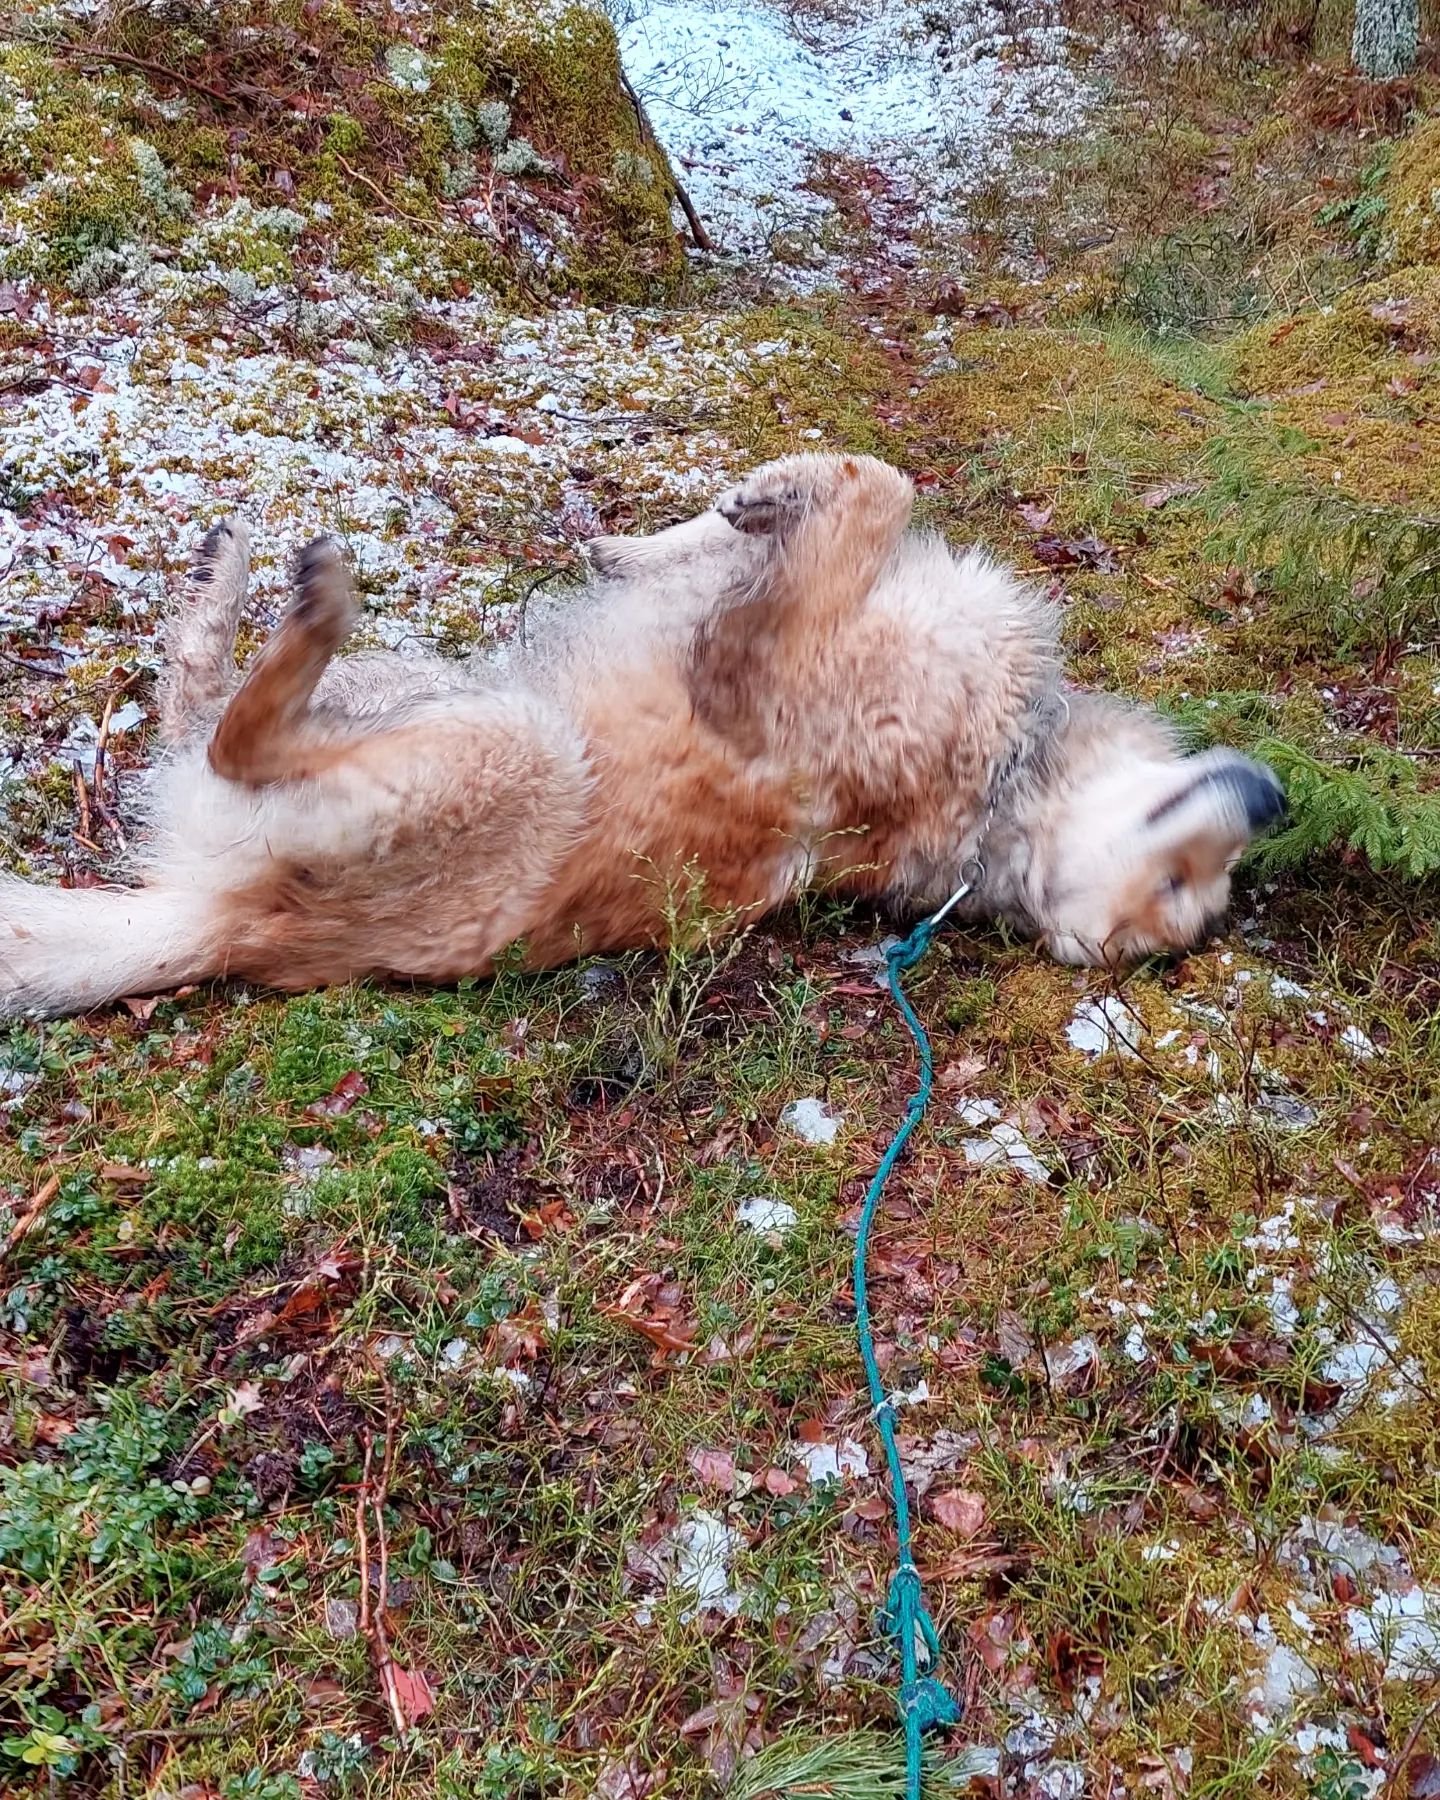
456, 1393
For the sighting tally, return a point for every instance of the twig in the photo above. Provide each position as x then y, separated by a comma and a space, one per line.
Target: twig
31, 1216
380, 194
703, 239
82, 800
361, 1539
98, 53
372, 1624
102, 740
32, 668
1417, 1731
382, 1637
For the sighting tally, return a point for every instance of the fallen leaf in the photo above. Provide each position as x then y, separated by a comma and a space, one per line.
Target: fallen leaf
1423, 1774
959, 1509
1089, 552
715, 1468
777, 1482
124, 1173
1167, 491
341, 1098
412, 1694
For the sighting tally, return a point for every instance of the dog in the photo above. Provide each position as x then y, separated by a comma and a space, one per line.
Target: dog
791, 690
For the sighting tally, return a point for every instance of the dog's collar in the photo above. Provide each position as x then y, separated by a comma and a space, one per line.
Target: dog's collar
1039, 725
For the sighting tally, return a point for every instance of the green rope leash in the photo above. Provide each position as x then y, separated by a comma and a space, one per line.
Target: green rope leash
924, 1700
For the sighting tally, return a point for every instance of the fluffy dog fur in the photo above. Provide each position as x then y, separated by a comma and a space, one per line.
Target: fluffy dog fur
791, 688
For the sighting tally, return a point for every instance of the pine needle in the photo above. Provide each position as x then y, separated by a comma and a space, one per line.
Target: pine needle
856, 1765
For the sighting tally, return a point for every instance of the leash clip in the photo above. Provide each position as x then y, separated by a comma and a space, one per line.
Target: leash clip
966, 887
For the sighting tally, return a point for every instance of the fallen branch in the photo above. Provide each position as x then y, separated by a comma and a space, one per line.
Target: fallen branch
102, 742
703, 239
98, 53
31, 1216
380, 194
374, 1492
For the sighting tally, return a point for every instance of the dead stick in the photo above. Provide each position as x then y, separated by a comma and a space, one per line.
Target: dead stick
380, 194
703, 240
362, 1542
31, 1216
384, 1660
102, 742
98, 53
82, 800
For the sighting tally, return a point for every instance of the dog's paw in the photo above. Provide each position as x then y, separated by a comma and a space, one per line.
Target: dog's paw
782, 493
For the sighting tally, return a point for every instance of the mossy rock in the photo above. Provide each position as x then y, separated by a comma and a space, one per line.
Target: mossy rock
1411, 191
379, 146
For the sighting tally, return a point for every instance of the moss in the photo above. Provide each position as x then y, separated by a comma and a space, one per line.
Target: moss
1411, 192
98, 162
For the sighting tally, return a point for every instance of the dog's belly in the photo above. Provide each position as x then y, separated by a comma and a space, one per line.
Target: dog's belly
686, 836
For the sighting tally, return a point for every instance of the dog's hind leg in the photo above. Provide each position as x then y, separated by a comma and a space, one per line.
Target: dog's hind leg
268, 733
199, 671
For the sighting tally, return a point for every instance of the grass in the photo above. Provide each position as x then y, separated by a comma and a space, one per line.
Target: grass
456, 1284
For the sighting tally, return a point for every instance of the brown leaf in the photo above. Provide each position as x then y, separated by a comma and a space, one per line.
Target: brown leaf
1089, 552
1035, 515
959, 1509
412, 1694
1013, 1339
124, 1173
715, 1468
776, 1481
1167, 491
1360, 1743
1423, 1774
341, 1098
262, 1550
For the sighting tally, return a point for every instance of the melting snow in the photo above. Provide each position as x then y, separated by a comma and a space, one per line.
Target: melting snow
766, 1217
704, 1546
812, 1120
746, 98
833, 1462
1102, 1027
1403, 1630
1008, 1146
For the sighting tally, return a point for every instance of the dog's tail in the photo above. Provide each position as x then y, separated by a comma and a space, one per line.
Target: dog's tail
268, 732
64, 950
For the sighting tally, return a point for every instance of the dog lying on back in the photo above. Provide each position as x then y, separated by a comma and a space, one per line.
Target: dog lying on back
790, 690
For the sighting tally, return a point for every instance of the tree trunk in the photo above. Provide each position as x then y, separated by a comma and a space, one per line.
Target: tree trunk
1387, 34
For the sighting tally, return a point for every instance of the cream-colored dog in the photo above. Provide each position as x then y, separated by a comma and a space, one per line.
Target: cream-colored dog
789, 690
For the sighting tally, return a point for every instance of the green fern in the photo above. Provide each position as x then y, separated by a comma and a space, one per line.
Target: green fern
1342, 571
1372, 803
1375, 806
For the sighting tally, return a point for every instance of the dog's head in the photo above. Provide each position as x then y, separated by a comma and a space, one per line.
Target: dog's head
1135, 844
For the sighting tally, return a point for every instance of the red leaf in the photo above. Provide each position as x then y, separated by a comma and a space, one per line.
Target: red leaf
412, 1694
716, 1468
1424, 1776
958, 1509
341, 1097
